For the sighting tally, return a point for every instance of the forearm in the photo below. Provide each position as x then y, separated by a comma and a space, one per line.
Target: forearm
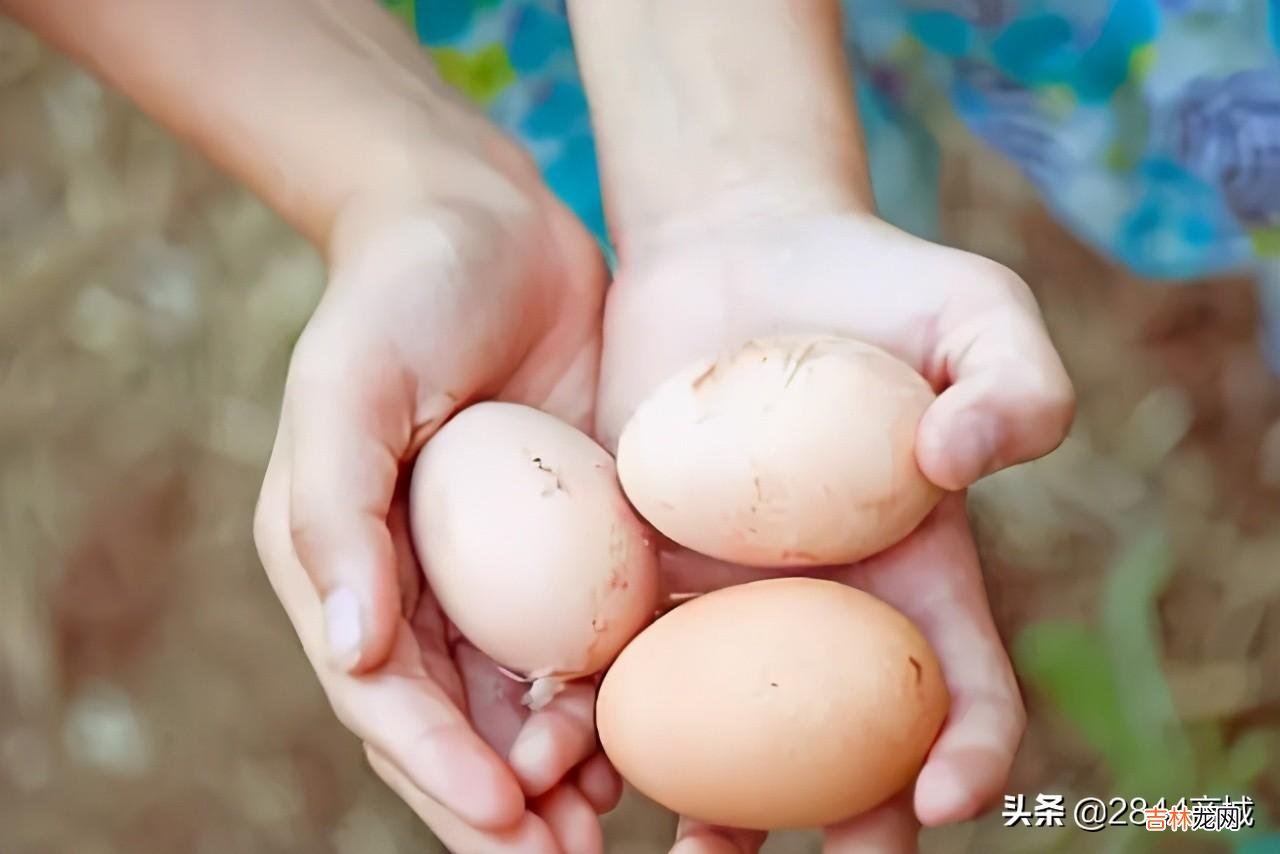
307, 102
695, 102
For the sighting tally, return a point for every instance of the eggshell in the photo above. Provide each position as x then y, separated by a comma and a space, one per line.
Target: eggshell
528, 543
789, 452
783, 703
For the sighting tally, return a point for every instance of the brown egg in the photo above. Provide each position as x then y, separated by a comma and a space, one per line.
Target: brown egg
788, 452
784, 703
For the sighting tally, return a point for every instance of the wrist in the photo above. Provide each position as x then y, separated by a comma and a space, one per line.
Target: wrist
695, 119
726, 177
733, 210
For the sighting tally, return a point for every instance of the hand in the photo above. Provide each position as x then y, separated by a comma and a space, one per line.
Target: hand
972, 329
433, 303
454, 276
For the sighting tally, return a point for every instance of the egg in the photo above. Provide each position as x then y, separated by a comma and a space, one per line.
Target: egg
781, 703
789, 452
529, 545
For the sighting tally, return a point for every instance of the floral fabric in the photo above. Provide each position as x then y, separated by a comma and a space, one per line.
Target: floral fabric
1150, 127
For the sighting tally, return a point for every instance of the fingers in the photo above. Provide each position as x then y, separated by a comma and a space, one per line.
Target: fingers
501, 719
706, 843
571, 819
888, 829
554, 739
348, 430
968, 766
411, 723
399, 711
934, 579
1010, 399
600, 783
694, 837
492, 697
542, 747
529, 834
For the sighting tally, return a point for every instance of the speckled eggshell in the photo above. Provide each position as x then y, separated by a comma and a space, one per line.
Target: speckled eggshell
783, 703
789, 452
528, 542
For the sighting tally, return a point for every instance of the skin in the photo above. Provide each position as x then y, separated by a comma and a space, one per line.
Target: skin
453, 275
389, 354
739, 202
739, 199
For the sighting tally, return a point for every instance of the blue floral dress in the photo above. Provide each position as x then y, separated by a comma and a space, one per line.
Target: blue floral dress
1150, 127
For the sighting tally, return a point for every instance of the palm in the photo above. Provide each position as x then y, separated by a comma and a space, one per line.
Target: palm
442, 308
686, 298
719, 289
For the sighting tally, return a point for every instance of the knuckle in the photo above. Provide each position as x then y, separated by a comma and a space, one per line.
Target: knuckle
1063, 408
268, 522
1040, 402
1013, 288
1015, 710
261, 529
350, 720
993, 282
1056, 405
1018, 711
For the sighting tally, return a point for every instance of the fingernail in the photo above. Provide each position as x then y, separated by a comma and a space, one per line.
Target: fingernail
532, 749
342, 627
975, 441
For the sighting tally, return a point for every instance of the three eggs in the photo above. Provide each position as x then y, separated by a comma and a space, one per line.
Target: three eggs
780, 703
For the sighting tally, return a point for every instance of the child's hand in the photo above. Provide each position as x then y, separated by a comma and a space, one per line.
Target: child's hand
972, 328
433, 303
966, 323
454, 276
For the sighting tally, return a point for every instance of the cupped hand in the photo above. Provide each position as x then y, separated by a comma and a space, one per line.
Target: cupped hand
433, 303
932, 577
972, 328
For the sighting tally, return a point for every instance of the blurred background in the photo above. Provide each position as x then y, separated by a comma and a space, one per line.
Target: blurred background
154, 700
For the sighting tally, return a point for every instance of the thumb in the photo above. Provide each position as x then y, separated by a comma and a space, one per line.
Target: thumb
1010, 399
347, 437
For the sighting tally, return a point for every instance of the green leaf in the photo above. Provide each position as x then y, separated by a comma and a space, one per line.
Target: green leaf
1109, 684
1165, 762
1068, 663
1247, 758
